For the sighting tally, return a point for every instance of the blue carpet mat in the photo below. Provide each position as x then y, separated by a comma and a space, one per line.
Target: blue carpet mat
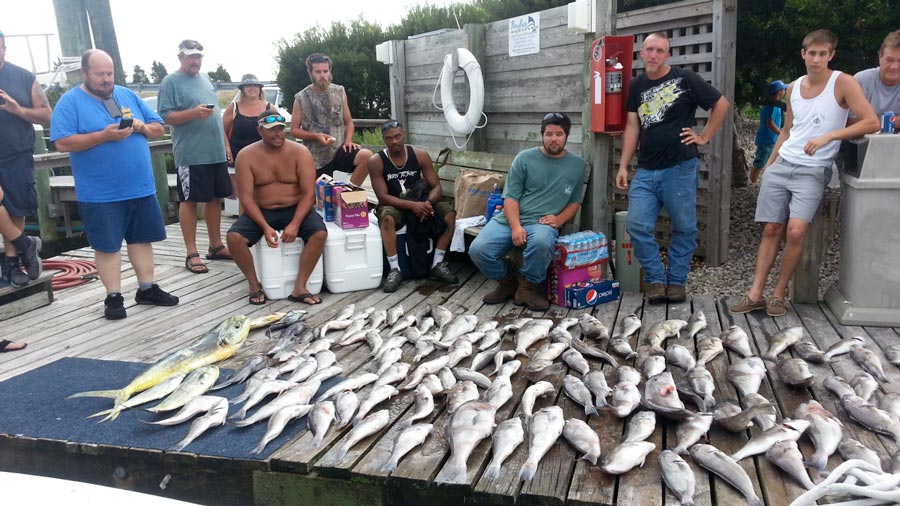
34, 404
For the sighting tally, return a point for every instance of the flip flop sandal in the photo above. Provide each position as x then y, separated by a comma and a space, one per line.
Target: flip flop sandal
200, 268
257, 298
6, 345
213, 253
303, 297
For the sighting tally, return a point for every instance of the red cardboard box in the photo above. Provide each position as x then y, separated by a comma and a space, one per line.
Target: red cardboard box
351, 206
559, 278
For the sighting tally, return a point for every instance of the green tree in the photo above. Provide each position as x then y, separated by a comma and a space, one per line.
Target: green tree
139, 76
220, 75
158, 71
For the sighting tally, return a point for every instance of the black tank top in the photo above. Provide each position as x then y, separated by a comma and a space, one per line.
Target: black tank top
243, 131
400, 178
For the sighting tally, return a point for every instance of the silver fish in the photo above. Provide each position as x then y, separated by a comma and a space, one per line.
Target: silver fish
622, 348
708, 348
406, 440
852, 449
376, 396
501, 357
807, 350
368, 426
825, 431
628, 374
782, 340
661, 395
258, 378
507, 437
500, 393
550, 351
628, 326
195, 384
680, 356
789, 430
892, 354
448, 379
838, 386
433, 383
491, 337
530, 333
545, 428
737, 340
352, 383
870, 417
591, 351
389, 358
346, 402
333, 325
625, 398
464, 374
320, 419
379, 316
482, 359
412, 334
306, 368
298, 394
653, 365
355, 337
661, 331
581, 436
843, 346
627, 456
317, 346
678, 476
514, 326
345, 313
487, 325
462, 392
362, 315
442, 316
543, 369
373, 340
425, 324
424, 347
578, 392
400, 325
576, 361
640, 426
539, 389
890, 402
595, 381
765, 419
702, 383
723, 466
794, 371
786, 455
461, 349
740, 421
354, 327
459, 326
325, 374
696, 323
425, 368
197, 405
278, 421
868, 360
690, 430
864, 384
592, 327
394, 374
424, 405
746, 374
567, 323
388, 344
266, 389
254, 364
468, 425
214, 418
509, 368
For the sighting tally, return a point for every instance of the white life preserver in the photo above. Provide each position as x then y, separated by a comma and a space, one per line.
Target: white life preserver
462, 124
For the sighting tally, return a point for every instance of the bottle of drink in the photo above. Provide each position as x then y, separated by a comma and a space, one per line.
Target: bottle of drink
494, 203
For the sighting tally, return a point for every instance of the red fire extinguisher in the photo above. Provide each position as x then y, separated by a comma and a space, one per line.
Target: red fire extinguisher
614, 107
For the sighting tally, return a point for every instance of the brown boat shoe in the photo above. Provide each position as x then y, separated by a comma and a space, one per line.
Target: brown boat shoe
776, 307
745, 305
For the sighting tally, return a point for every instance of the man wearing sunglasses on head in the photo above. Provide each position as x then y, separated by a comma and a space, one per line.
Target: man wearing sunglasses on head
321, 119
275, 182
188, 103
543, 191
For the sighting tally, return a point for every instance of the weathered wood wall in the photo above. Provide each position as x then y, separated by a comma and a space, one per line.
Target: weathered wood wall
519, 91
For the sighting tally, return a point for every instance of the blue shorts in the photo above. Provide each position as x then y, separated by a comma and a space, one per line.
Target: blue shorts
763, 152
17, 181
136, 220
277, 219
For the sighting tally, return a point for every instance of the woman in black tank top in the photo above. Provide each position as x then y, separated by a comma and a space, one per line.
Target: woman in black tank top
239, 118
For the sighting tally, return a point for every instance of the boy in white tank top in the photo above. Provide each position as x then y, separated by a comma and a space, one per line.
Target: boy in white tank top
800, 165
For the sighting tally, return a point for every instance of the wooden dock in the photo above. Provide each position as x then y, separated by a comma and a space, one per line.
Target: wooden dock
73, 326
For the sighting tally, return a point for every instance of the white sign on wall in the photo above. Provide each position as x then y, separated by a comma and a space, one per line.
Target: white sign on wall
525, 34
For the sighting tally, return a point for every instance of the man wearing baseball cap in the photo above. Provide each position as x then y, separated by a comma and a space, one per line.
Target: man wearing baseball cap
275, 182
770, 122
188, 103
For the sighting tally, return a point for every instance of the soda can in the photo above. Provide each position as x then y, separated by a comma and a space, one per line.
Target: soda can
887, 122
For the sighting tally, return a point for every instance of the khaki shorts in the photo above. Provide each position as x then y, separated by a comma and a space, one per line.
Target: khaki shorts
442, 209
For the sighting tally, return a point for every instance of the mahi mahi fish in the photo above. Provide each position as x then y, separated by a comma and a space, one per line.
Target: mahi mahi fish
218, 344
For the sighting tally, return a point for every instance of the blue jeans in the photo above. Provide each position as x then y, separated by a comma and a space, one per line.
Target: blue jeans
674, 188
495, 240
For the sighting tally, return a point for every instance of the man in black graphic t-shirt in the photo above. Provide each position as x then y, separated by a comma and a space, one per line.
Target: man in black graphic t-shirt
661, 107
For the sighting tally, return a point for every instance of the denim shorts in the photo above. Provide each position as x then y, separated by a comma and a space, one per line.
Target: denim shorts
277, 219
17, 181
763, 152
789, 190
136, 221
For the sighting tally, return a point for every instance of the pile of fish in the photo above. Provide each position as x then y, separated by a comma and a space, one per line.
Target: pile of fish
468, 367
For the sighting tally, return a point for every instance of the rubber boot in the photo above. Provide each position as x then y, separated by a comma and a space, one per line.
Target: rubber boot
529, 295
506, 288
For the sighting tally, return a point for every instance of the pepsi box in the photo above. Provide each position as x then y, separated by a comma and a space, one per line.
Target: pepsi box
590, 293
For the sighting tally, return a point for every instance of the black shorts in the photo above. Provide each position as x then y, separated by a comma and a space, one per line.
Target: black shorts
17, 181
277, 219
342, 161
203, 183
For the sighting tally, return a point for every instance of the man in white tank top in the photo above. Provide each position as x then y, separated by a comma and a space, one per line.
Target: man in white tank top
800, 165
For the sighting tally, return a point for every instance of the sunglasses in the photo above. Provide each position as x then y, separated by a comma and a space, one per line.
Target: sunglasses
192, 44
268, 120
389, 125
319, 59
555, 115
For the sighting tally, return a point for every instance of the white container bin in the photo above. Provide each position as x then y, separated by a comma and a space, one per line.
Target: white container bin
277, 268
353, 259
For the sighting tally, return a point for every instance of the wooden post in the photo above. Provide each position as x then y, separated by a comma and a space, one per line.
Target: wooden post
74, 33
398, 82
104, 32
597, 148
46, 224
724, 34
475, 43
158, 159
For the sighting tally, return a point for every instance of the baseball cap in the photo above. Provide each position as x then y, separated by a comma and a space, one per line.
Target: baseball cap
776, 86
189, 47
270, 119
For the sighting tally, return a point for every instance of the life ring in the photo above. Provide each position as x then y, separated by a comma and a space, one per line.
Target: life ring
462, 124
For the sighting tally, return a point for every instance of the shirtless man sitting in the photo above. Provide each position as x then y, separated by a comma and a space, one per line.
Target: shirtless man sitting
275, 182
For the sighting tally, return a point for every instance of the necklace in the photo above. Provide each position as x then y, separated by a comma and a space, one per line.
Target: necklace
405, 158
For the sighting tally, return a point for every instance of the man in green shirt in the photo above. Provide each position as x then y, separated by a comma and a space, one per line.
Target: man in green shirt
543, 191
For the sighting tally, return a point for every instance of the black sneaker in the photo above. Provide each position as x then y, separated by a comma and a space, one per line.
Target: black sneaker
155, 296
15, 273
392, 281
31, 258
441, 272
114, 307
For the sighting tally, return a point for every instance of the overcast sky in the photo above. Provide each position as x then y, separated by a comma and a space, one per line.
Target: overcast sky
241, 35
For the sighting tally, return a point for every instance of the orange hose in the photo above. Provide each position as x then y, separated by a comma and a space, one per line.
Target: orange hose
73, 272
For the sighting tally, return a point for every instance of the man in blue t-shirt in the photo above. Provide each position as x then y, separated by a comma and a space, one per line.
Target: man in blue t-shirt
105, 128
543, 191
661, 107
769, 127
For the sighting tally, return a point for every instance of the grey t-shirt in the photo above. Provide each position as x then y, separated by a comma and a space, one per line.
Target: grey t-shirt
883, 98
543, 185
197, 142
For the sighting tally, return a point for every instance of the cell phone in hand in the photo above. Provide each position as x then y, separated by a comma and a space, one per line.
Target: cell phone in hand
125, 123
2, 100
210, 106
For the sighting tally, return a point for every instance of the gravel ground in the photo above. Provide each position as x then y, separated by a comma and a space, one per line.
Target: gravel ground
735, 276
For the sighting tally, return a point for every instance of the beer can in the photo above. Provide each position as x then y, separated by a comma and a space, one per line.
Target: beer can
887, 122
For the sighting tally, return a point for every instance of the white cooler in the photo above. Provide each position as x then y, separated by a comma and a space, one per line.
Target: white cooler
353, 258
277, 268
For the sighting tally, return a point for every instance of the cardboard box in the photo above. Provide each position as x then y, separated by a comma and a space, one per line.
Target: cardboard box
560, 278
588, 293
351, 206
324, 195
